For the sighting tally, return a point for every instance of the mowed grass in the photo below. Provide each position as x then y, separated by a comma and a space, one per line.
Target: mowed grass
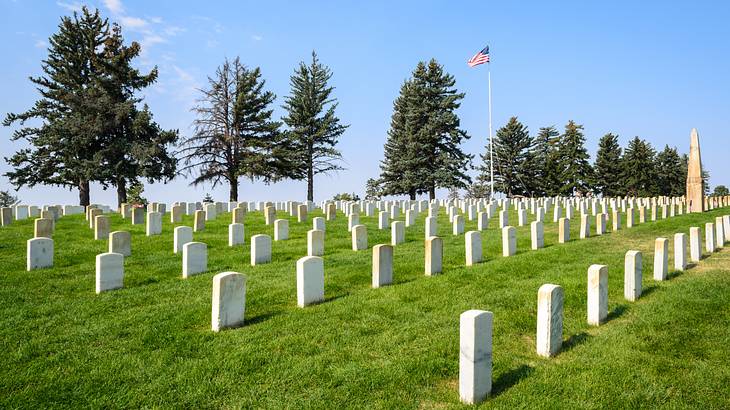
150, 344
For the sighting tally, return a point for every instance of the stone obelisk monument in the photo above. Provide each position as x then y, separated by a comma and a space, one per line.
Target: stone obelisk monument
695, 187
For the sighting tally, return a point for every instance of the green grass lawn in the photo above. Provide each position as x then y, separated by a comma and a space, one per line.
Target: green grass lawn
150, 344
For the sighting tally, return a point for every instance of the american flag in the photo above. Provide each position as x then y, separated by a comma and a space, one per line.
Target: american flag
479, 58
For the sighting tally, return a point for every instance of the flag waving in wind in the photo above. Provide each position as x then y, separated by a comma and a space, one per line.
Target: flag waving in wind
479, 58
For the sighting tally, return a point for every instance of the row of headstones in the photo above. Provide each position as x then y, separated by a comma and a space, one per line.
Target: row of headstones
475, 326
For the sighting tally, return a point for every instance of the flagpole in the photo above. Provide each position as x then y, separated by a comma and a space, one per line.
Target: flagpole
491, 145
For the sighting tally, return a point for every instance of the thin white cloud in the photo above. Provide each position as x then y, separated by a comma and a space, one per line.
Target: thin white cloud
133, 23
41, 44
115, 6
74, 6
256, 37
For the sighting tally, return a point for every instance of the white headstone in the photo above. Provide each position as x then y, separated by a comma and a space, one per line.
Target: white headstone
434, 255
509, 241
236, 234
632, 275
359, 237
281, 229
315, 243
39, 253
473, 246
397, 233
120, 242
260, 249
475, 356
310, 280
194, 259
382, 265
695, 244
109, 271
549, 320
537, 231
229, 300
680, 251
661, 258
597, 294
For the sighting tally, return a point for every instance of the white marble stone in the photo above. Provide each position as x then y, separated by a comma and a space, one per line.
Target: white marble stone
616, 220
260, 249
199, 221
719, 232
6, 216
503, 219
120, 242
632, 275
359, 237
352, 220
549, 320
382, 265
680, 251
410, 218
585, 226
597, 294
482, 221
318, 223
138, 215
211, 211
509, 241
475, 356
383, 220
397, 233
695, 244
39, 253
537, 234
176, 213
43, 228
229, 300
302, 211
154, 223
194, 259
431, 226
236, 234
710, 237
281, 229
434, 255
181, 236
563, 230
109, 271
661, 258
315, 242
600, 224
522, 217
238, 215
473, 247
458, 225
310, 280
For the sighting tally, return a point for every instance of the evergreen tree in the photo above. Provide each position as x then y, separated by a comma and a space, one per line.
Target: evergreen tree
639, 169
64, 149
513, 163
134, 145
483, 182
607, 177
721, 190
402, 166
545, 162
234, 135
575, 170
314, 129
434, 127
7, 199
134, 194
373, 189
670, 172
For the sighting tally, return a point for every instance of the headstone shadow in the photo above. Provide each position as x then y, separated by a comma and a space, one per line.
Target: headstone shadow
616, 313
574, 341
510, 378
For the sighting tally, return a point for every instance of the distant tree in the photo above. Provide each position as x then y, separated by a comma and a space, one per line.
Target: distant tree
513, 147
234, 135
64, 149
346, 197
134, 194
207, 198
576, 172
314, 129
720, 190
670, 173
134, 145
7, 199
402, 165
453, 194
545, 162
373, 190
639, 169
434, 125
607, 176
480, 188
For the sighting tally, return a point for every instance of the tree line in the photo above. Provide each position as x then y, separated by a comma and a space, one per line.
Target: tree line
88, 125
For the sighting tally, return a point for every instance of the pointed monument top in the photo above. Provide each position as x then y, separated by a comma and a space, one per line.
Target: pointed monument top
695, 186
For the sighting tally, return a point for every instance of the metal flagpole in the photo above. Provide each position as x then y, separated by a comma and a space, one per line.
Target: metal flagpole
491, 145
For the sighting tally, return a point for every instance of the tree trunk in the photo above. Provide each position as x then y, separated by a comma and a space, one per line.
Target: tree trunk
412, 195
310, 184
234, 191
432, 192
84, 192
121, 192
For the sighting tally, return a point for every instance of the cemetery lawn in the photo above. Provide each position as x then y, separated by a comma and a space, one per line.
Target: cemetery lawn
150, 344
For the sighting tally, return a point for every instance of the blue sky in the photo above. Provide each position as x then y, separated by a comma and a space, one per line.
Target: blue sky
652, 69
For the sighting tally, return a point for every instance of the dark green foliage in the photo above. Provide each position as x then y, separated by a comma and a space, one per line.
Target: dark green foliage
671, 173
607, 178
721, 190
575, 170
346, 197
7, 199
314, 129
373, 189
65, 147
423, 150
134, 194
639, 171
545, 163
514, 170
207, 198
234, 135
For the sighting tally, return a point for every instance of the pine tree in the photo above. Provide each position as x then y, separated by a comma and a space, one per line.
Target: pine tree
314, 129
639, 169
575, 170
513, 163
134, 195
607, 177
402, 166
671, 177
546, 163
434, 126
134, 146
7, 199
234, 135
373, 189
65, 148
